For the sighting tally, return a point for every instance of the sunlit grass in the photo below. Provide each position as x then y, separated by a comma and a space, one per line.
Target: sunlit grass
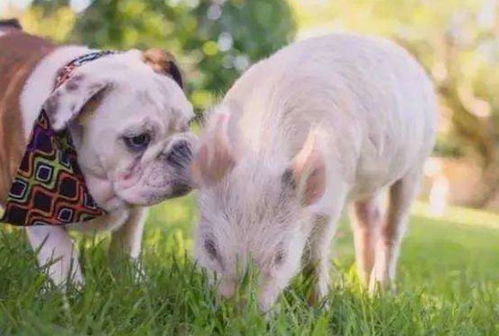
448, 285
464, 216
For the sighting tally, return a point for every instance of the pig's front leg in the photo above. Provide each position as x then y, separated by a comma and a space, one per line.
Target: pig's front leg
55, 250
320, 247
318, 257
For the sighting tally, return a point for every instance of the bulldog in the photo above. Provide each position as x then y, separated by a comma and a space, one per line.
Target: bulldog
129, 120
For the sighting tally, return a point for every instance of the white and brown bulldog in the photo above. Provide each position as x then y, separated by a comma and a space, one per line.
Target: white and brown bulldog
128, 117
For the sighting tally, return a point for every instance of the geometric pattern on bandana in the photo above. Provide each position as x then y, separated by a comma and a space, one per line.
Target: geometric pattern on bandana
49, 188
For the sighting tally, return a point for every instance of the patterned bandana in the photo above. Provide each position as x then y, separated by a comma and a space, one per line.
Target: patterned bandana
49, 188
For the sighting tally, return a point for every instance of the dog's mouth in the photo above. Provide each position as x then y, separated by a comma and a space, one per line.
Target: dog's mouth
180, 189
152, 197
152, 189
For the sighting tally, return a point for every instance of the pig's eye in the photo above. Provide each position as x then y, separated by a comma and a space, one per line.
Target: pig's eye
211, 248
279, 258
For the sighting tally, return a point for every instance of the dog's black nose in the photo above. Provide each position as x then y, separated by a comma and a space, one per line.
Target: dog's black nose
180, 154
182, 148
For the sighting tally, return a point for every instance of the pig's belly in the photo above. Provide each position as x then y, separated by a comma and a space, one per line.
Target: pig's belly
367, 186
373, 177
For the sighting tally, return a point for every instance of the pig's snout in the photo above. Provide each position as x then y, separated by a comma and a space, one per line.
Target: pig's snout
227, 289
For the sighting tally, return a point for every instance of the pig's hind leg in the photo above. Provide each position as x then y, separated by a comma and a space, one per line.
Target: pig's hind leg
401, 195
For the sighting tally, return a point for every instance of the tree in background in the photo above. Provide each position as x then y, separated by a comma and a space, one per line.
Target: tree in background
50, 18
215, 40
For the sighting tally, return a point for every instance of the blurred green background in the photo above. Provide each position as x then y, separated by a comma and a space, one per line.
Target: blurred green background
214, 41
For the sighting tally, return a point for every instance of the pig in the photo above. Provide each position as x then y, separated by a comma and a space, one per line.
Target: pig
321, 124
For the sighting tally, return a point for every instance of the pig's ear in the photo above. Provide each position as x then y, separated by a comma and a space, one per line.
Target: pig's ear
68, 100
214, 157
307, 173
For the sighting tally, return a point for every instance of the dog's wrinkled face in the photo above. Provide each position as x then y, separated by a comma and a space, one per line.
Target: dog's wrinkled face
129, 120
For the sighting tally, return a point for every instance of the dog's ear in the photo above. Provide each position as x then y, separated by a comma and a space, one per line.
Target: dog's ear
67, 101
163, 62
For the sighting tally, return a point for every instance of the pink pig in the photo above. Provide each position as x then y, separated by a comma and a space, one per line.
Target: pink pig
323, 122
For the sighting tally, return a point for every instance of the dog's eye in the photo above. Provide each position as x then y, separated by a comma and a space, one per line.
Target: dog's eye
138, 142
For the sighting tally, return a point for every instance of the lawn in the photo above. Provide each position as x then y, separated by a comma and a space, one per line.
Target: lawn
448, 285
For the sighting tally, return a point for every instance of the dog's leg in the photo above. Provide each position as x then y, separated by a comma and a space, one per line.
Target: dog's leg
55, 249
127, 239
401, 195
365, 219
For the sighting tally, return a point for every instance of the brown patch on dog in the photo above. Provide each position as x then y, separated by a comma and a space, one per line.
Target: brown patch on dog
163, 62
19, 55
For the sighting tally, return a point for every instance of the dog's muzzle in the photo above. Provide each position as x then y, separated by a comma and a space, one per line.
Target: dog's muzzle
180, 155
179, 158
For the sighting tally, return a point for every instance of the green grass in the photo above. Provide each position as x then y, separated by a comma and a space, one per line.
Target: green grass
448, 285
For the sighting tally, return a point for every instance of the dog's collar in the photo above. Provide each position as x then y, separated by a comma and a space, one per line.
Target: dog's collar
49, 187
65, 72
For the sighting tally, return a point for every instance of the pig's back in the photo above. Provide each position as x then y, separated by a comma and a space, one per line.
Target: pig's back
371, 98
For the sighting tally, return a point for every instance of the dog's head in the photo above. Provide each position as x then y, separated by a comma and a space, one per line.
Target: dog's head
129, 119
